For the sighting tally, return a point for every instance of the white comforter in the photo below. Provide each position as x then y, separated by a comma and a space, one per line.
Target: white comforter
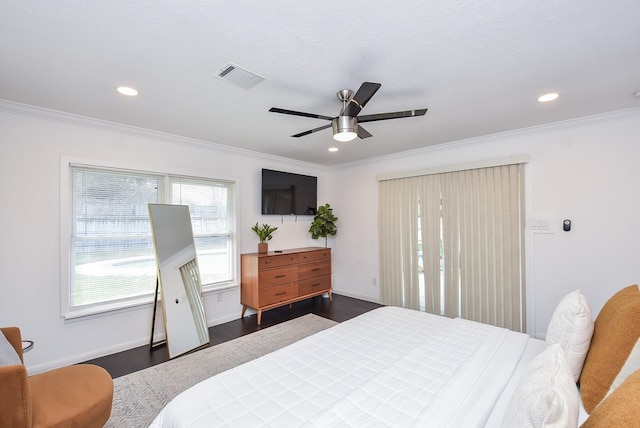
388, 367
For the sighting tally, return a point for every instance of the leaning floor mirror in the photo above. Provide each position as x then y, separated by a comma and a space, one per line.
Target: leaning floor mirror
185, 321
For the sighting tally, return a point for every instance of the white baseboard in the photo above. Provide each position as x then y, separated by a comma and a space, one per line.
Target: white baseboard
75, 359
357, 296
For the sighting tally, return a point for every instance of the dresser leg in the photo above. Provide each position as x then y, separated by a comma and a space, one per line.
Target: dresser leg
244, 309
330, 296
259, 316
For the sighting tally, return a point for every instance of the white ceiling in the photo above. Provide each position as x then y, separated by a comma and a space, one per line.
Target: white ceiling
478, 66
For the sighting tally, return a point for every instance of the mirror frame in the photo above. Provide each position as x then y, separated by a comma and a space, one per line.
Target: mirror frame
185, 320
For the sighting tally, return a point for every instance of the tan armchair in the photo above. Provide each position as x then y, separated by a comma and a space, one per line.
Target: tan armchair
75, 396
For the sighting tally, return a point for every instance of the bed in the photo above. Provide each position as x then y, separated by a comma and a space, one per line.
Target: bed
399, 367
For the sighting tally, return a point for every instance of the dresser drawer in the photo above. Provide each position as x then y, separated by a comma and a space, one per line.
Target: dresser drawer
275, 261
278, 276
313, 285
313, 269
278, 293
315, 255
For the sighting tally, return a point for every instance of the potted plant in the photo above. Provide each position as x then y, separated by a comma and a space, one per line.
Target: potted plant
264, 232
324, 223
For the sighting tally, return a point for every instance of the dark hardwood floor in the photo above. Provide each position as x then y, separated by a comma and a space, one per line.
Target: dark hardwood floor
341, 309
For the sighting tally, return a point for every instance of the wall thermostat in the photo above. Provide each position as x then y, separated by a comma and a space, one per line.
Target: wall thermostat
566, 225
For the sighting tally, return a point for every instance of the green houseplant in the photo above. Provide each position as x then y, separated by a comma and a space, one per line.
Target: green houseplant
324, 223
265, 233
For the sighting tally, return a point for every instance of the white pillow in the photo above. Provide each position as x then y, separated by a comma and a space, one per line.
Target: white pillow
571, 326
546, 395
8, 355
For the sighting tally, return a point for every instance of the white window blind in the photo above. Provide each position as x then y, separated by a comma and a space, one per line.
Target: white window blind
111, 244
211, 208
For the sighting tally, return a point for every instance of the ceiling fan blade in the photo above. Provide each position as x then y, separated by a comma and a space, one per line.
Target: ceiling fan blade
360, 99
311, 131
299, 113
363, 133
394, 115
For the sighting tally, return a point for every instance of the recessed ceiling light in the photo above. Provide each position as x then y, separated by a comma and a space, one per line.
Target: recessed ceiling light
548, 97
333, 149
125, 90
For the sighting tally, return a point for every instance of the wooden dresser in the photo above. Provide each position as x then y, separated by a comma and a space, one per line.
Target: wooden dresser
269, 280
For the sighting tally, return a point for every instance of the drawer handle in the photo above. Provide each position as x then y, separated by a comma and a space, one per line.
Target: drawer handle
280, 276
281, 294
316, 284
313, 270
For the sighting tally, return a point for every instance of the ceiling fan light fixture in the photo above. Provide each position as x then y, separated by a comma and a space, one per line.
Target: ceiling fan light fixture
345, 128
345, 136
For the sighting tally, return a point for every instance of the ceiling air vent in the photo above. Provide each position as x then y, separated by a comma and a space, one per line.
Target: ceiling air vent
239, 76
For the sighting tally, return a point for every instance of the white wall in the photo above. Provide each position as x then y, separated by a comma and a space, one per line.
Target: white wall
585, 170
32, 142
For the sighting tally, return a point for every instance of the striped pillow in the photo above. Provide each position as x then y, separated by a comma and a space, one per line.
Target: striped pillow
614, 353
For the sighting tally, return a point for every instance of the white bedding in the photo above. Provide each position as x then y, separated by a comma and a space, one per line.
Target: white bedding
388, 367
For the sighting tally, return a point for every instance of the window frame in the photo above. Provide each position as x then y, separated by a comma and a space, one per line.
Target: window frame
69, 312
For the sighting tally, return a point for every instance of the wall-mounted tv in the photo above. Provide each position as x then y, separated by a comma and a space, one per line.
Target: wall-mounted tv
286, 193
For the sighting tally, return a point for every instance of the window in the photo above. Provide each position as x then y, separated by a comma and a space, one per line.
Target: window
210, 205
112, 261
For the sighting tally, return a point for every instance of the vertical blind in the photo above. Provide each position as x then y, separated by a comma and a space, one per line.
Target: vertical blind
452, 244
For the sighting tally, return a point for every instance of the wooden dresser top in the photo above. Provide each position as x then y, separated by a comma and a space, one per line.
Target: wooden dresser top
287, 251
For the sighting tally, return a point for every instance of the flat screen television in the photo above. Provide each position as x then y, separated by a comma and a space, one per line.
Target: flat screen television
286, 193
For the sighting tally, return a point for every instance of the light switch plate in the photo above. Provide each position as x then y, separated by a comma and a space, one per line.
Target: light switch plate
541, 223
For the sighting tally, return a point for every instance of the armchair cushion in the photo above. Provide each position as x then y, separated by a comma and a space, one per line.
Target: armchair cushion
75, 396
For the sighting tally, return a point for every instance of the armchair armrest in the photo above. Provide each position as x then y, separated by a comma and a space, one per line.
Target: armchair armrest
15, 406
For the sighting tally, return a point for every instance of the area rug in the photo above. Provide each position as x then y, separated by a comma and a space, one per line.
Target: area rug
138, 397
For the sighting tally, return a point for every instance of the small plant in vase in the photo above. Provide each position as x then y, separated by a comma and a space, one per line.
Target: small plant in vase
324, 223
264, 233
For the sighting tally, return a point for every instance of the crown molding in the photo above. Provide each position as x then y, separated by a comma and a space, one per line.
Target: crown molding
57, 116
602, 118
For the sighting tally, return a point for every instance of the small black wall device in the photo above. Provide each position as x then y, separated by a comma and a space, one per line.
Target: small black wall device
566, 225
